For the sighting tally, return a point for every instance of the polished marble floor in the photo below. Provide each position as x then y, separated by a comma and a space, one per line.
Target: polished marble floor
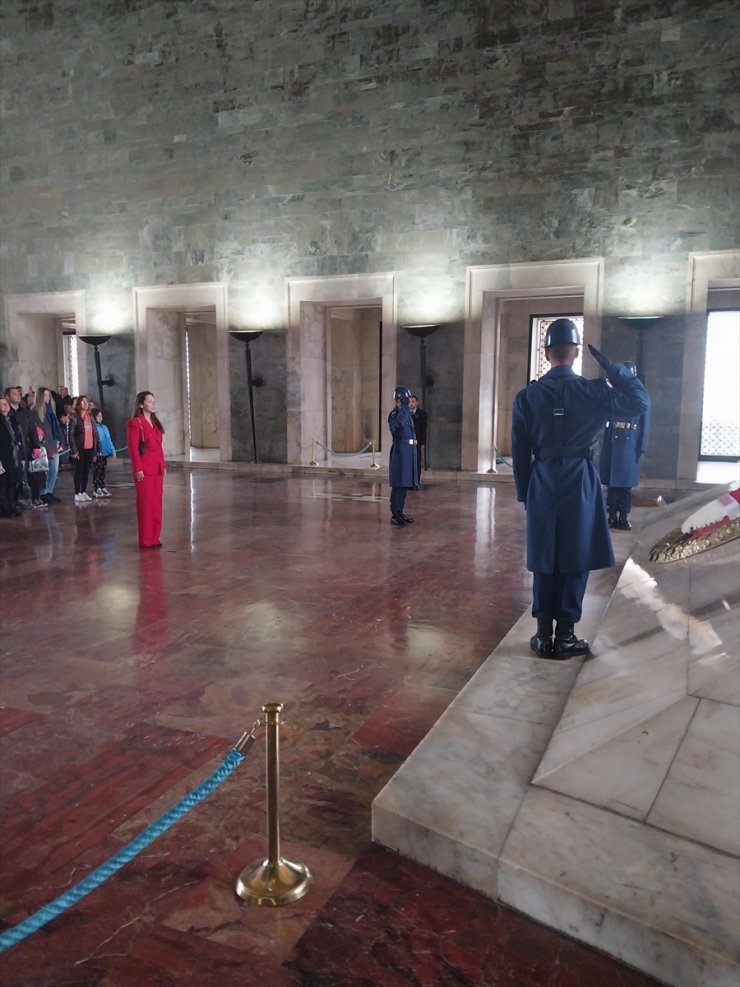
126, 676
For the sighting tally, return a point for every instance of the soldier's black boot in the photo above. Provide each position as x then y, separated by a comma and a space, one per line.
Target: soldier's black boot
624, 523
613, 520
541, 643
566, 644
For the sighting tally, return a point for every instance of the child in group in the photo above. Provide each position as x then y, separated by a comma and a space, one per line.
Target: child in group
100, 462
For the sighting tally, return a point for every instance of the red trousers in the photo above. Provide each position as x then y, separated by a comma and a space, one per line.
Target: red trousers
149, 509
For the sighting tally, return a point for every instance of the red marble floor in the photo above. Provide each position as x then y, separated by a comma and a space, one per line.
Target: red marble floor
127, 675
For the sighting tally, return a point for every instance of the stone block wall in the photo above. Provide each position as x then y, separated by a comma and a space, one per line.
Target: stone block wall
149, 143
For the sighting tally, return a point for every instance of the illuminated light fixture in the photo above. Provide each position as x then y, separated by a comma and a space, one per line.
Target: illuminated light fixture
248, 336
96, 341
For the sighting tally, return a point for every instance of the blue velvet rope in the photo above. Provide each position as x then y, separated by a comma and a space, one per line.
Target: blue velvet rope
70, 897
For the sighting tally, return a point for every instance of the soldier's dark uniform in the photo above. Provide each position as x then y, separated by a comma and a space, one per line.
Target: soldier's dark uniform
402, 459
625, 440
556, 421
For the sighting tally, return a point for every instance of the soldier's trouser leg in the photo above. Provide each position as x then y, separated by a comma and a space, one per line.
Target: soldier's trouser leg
558, 595
398, 499
619, 500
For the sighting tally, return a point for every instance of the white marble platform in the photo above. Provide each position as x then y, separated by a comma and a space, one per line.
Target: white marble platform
601, 797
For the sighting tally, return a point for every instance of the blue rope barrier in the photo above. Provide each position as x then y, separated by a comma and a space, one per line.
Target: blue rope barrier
70, 897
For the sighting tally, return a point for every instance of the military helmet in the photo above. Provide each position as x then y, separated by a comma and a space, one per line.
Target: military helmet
632, 367
562, 331
402, 394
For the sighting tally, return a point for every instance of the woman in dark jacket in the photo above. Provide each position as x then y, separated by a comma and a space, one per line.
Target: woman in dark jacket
84, 445
45, 417
11, 461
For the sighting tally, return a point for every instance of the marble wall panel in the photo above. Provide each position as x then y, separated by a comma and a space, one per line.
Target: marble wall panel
268, 364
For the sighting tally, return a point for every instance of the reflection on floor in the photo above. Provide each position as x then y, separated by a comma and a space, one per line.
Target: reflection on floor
126, 675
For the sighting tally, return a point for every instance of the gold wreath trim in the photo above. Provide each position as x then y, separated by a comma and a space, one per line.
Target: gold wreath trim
675, 545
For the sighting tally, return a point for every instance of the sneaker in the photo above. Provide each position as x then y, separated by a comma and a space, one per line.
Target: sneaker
85, 498
104, 492
77, 498
39, 505
98, 493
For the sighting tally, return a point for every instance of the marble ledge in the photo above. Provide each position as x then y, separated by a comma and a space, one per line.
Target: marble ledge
661, 903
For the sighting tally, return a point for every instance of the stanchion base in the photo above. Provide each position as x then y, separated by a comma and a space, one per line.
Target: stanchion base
264, 883
313, 463
374, 466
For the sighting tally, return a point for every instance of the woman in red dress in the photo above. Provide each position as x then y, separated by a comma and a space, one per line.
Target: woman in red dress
144, 432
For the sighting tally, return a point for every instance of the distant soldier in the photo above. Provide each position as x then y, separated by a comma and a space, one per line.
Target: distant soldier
625, 440
402, 460
420, 418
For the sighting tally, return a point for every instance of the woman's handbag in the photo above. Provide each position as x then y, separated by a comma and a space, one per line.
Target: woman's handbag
142, 443
40, 464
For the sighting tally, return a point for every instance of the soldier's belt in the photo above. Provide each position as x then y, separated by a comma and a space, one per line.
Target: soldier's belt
626, 425
563, 452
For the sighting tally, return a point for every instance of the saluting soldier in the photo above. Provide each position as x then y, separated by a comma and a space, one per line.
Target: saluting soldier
402, 459
556, 421
625, 440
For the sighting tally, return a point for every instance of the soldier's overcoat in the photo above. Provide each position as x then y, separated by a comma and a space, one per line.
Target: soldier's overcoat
567, 530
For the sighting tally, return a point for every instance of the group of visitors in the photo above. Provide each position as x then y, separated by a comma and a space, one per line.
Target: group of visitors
36, 429
39, 427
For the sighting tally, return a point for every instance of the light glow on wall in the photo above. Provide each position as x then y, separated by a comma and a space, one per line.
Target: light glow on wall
109, 316
260, 309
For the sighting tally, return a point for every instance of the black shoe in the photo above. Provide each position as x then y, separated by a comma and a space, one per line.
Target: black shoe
624, 523
398, 519
541, 643
566, 644
613, 521
407, 519
52, 499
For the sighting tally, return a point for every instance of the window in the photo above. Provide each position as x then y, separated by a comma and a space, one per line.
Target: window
538, 325
71, 363
720, 429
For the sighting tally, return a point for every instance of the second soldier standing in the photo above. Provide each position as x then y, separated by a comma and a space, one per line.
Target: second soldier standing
402, 469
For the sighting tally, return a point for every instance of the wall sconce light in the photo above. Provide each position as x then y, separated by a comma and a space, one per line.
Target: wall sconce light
640, 323
96, 341
248, 336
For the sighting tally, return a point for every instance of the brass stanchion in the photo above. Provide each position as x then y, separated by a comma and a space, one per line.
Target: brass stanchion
313, 453
274, 881
373, 464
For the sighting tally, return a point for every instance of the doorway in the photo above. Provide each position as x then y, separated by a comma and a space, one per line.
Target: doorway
522, 326
367, 303
182, 357
354, 355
